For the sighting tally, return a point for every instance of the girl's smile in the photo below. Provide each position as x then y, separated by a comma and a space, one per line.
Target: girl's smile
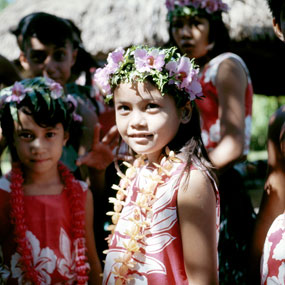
146, 120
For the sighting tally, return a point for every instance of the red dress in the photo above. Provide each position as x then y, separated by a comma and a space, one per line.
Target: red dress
160, 259
48, 219
209, 106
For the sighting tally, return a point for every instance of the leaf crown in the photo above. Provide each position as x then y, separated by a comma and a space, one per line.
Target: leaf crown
39, 90
170, 72
182, 8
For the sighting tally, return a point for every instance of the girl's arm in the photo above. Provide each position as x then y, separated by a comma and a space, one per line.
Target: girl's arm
95, 265
231, 82
273, 198
197, 218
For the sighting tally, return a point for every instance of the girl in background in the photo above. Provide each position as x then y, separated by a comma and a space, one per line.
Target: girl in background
197, 29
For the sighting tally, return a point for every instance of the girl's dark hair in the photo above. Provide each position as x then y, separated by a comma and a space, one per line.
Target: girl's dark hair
218, 34
275, 7
50, 29
44, 115
188, 140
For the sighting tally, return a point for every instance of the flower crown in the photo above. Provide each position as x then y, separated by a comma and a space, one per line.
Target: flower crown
180, 8
167, 69
49, 90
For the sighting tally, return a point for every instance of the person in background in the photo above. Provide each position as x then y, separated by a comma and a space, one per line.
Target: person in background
268, 254
46, 215
50, 46
198, 30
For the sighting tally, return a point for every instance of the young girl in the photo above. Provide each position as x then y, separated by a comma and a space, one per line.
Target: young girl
46, 216
198, 30
166, 211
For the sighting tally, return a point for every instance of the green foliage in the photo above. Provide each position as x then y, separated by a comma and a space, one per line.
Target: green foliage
263, 108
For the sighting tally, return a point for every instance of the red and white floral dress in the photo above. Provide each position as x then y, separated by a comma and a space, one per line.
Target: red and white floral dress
48, 219
160, 258
209, 106
273, 259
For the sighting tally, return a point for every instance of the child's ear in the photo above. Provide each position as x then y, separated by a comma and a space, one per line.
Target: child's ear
277, 30
24, 62
186, 113
65, 138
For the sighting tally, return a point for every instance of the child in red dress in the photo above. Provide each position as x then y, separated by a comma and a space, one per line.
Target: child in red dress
46, 216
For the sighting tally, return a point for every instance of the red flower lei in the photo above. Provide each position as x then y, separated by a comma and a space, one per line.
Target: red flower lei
78, 224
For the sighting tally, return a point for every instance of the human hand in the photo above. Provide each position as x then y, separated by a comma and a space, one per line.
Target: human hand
100, 155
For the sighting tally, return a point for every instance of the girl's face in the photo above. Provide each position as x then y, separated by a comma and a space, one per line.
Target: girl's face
39, 149
191, 35
146, 120
49, 60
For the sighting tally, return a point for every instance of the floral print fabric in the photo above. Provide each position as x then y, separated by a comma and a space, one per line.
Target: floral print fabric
209, 106
273, 259
160, 260
48, 219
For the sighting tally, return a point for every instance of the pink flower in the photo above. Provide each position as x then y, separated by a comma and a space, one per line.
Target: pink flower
18, 93
55, 88
101, 78
169, 5
145, 61
72, 100
210, 6
186, 77
116, 56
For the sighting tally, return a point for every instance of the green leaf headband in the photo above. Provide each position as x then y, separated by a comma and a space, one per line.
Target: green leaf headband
171, 73
184, 8
49, 90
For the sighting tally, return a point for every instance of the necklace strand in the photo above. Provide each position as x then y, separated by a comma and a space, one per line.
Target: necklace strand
78, 224
141, 214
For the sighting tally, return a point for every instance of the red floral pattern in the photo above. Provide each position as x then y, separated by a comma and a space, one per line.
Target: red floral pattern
209, 106
27, 217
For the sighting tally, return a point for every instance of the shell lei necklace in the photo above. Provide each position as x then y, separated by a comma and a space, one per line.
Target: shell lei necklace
78, 224
141, 214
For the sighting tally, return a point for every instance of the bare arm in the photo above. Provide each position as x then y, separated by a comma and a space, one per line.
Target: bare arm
197, 218
95, 265
273, 199
231, 82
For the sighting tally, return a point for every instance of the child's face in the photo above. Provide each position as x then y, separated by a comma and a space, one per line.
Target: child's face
191, 35
146, 120
39, 149
49, 60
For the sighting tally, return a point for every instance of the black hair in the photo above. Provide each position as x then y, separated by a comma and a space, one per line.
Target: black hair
188, 140
50, 29
218, 34
275, 7
43, 114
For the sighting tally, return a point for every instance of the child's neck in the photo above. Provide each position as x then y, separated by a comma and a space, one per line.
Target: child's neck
48, 183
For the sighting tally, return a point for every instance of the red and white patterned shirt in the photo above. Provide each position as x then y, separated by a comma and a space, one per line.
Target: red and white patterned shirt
209, 106
160, 259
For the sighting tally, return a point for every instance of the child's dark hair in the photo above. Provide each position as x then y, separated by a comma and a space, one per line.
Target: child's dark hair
46, 111
49, 29
275, 7
189, 141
